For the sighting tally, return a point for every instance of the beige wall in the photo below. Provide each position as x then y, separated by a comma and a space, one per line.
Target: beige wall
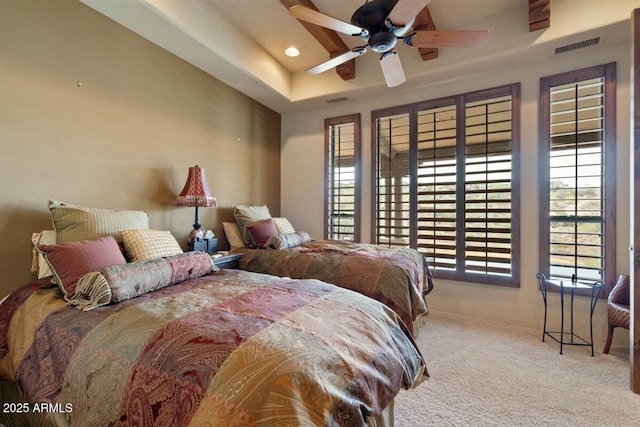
125, 138
302, 181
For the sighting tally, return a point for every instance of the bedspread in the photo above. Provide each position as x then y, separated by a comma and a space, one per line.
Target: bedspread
233, 348
398, 277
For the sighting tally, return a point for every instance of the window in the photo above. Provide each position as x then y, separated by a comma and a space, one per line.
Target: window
342, 178
446, 183
577, 167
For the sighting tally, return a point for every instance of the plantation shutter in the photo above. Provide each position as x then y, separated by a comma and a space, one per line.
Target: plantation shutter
392, 207
437, 192
488, 181
576, 180
342, 146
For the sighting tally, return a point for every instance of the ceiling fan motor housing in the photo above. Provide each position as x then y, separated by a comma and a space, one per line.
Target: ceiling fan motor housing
372, 16
382, 41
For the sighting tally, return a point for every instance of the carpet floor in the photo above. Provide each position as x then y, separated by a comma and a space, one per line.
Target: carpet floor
486, 373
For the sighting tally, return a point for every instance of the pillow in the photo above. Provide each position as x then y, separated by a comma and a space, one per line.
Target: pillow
39, 264
122, 282
260, 232
70, 261
149, 244
233, 235
287, 241
76, 223
283, 226
248, 214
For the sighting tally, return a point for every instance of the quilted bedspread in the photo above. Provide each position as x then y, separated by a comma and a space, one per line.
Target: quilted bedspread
398, 277
232, 348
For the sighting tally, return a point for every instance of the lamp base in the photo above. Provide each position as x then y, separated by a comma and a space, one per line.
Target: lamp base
197, 233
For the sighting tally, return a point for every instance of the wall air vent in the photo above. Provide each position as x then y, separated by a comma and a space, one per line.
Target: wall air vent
336, 100
579, 45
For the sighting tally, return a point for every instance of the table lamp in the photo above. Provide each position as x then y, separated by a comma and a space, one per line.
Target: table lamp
196, 194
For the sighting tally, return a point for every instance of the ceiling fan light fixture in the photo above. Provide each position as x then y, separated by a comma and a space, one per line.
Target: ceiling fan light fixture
292, 51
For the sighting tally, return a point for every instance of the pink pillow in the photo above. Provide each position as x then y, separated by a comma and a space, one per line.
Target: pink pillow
261, 231
70, 261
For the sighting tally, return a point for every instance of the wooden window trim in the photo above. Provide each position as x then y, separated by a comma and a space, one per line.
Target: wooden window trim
608, 71
460, 100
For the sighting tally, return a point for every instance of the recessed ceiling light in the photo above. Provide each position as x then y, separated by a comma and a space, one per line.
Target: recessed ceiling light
291, 51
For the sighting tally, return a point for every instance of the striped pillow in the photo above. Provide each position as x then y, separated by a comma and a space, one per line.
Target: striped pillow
76, 223
142, 245
283, 226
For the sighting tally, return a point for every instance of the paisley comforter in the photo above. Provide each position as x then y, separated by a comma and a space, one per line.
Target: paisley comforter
232, 348
398, 277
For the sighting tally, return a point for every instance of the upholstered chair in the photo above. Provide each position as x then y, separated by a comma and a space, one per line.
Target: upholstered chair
618, 308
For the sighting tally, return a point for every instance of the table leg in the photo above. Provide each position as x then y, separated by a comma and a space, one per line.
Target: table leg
544, 324
561, 316
594, 300
573, 293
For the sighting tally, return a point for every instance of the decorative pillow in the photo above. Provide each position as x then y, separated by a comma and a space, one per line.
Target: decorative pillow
122, 282
232, 233
148, 244
248, 214
38, 263
76, 223
283, 226
260, 232
287, 241
70, 261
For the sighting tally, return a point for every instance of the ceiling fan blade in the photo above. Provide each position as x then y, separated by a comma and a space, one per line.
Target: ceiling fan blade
405, 10
340, 59
315, 17
392, 68
446, 38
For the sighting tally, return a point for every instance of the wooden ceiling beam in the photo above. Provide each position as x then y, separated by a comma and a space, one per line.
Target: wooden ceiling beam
329, 39
539, 14
424, 22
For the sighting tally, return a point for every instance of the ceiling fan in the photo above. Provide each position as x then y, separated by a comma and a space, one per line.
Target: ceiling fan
381, 23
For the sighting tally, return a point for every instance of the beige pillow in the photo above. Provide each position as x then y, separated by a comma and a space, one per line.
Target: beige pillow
283, 226
248, 214
76, 223
141, 245
232, 233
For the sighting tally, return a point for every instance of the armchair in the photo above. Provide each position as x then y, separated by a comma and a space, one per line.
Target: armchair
618, 308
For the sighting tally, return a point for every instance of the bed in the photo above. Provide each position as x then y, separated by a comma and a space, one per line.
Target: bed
398, 277
166, 338
228, 348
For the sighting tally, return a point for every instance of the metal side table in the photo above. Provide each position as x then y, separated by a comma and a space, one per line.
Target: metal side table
595, 289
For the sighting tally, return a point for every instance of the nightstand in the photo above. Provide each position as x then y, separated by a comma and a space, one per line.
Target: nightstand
226, 260
204, 245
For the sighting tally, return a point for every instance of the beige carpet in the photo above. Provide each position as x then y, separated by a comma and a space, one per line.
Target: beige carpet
487, 373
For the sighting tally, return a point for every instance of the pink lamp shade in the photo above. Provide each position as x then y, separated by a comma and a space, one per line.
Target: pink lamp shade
196, 194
